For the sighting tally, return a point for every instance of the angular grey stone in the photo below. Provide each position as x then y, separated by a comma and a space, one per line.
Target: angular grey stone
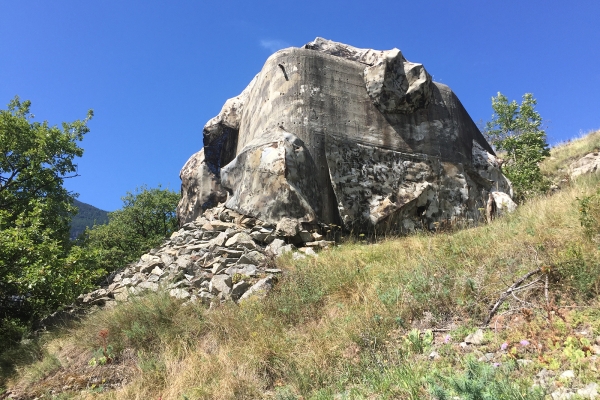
167, 259
275, 246
287, 227
396, 85
242, 269
150, 260
259, 236
308, 251
219, 240
230, 253
586, 165
230, 261
259, 289
298, 256
148, 286
217, 268
157, 271
208, 235
504, 203
475, 338
221, 226
153, 278
317, 236
183, 262
179, 293
241, 239
252, 257
239, 289
322, 244
220, 284
199, 282
179, 284
273, 271
205, 297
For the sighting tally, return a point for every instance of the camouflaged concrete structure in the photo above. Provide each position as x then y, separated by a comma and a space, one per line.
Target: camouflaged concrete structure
333, 134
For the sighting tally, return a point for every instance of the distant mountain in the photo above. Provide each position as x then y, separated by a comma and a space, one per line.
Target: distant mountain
86, 217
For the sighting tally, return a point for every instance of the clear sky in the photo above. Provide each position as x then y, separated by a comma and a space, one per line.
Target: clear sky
155, 71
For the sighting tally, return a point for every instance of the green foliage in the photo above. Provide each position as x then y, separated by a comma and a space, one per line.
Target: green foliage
417, 342
589, 215
38, 270
480, 381
516, 130
36, 266
578, 273
36, 158
147, 217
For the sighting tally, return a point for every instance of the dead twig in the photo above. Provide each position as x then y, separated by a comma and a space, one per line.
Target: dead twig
508, 292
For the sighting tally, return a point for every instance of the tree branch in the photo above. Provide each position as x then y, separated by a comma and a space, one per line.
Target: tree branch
508, 292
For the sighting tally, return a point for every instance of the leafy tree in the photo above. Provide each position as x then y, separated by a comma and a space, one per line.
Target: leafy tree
146, 218
516, 130
37, 272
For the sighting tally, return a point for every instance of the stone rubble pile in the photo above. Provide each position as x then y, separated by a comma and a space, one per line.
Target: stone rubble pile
220, 256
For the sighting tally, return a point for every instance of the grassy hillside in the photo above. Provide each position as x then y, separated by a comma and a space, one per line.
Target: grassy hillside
87, 216
362, 321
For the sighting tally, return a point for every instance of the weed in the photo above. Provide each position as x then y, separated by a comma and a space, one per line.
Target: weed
481, 381
589, 216
419, 342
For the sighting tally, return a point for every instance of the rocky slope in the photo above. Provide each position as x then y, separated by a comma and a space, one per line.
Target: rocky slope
220, 256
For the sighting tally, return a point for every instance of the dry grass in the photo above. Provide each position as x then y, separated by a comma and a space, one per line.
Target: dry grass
565, 153
340, 325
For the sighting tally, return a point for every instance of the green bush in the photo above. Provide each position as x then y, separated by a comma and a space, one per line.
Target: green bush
481, 381
589, 215
146, 218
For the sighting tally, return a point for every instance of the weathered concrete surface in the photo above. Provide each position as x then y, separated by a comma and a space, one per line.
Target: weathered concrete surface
273, 178
200, 189
335, 134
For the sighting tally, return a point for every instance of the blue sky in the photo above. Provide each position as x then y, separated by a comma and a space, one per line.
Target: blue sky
155, 71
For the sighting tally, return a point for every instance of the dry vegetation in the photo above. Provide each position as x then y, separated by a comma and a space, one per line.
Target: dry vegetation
360, 321
565, 153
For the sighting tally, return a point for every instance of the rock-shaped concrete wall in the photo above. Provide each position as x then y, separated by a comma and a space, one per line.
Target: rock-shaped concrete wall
334, 134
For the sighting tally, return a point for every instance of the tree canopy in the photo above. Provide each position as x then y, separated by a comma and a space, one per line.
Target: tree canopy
146, 218
39, 269
516, 130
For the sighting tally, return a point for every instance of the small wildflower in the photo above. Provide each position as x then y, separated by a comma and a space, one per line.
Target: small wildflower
504, 346
496, 364
447, 338
524, 342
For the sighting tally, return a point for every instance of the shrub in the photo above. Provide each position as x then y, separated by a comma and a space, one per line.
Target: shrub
516, 130
589, 215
